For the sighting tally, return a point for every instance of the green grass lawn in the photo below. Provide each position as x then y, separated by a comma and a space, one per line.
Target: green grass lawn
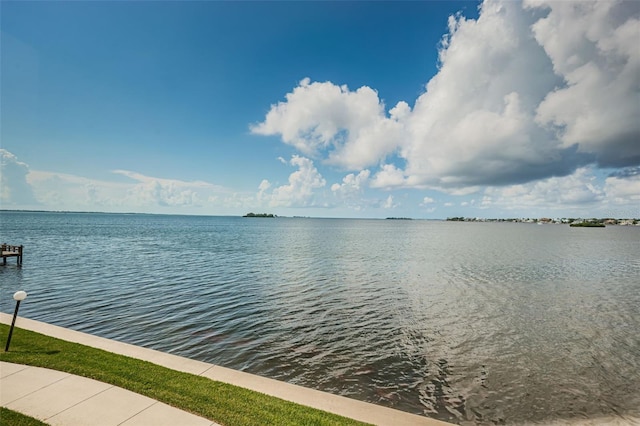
13, 418
223, 403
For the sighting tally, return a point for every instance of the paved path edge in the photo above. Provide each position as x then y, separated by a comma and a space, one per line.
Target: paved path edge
63, 399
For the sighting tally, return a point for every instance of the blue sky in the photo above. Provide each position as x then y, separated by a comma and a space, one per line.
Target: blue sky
333, 109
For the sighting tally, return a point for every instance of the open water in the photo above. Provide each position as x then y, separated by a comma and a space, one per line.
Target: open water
473, 323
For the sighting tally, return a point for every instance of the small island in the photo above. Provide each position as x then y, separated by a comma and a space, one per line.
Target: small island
259, 215
588, 224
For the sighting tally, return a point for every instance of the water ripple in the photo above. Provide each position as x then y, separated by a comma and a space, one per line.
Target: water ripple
470, 323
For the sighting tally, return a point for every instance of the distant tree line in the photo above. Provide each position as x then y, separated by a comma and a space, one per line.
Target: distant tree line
259, 215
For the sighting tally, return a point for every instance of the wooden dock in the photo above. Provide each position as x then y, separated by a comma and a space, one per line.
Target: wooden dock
11, 251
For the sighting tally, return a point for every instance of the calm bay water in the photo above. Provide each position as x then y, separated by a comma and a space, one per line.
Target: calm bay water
473, 323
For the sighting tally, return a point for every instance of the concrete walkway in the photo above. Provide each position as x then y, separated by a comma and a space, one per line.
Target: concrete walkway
64, 399
138, 409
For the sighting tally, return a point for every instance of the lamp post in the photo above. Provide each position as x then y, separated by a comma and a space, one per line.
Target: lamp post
18, 296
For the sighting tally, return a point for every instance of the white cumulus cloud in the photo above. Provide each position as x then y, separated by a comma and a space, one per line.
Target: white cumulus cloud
624, 189
593, 45
525, 92
300, 190
350, 127
389, 176
427, 200
352, 184
351, 191
578, 191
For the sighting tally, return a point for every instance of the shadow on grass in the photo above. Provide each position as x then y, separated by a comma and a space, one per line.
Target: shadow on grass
31, 352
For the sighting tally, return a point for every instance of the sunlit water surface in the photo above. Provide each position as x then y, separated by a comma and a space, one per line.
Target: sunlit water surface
473, 323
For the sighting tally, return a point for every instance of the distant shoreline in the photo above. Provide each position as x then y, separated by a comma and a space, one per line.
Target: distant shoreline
583, 222
629, 221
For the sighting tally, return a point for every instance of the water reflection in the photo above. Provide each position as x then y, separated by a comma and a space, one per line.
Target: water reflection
470, 323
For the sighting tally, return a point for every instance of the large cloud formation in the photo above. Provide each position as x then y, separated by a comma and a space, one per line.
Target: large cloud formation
528, 91
352, 126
